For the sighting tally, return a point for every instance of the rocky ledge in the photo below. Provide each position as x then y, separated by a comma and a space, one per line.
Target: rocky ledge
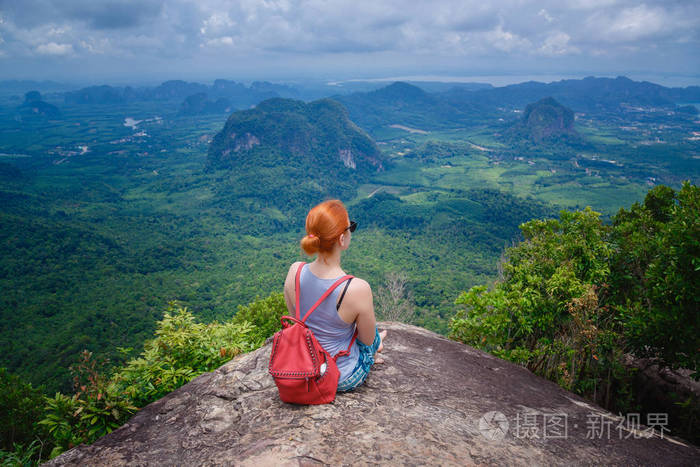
433, 401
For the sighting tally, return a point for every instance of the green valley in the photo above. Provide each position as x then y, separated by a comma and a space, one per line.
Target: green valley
115, 207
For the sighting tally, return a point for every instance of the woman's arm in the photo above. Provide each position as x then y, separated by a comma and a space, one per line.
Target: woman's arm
358, 306
289, 292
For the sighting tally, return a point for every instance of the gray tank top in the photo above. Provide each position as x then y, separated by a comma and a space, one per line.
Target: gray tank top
332, 333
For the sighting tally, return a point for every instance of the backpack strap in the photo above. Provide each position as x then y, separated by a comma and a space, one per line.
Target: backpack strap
297, 288
346, 352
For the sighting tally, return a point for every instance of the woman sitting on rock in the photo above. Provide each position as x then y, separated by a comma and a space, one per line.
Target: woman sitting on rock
329, 231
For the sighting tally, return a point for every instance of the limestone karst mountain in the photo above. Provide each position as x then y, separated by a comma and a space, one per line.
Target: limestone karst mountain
546, 121
290, 132
433, 402
35, 106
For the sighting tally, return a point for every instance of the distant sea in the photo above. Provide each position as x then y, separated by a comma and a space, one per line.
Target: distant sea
504, 80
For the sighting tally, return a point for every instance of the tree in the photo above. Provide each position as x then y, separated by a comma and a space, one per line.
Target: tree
548, 311
656, 275
394, 301
21, 407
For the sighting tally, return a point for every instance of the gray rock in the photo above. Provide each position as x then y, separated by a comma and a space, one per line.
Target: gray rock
431, 402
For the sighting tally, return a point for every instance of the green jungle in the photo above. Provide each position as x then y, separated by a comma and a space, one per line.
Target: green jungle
146, 235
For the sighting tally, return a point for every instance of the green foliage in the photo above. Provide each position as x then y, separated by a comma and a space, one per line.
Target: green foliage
22, 455
264, 314
689, 416
545, 272
181, 350
62, 423
576, 295
657, 275
93, 411
435, 151
545, 312
21, 408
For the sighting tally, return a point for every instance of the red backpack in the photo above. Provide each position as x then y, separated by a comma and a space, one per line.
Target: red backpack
303, 371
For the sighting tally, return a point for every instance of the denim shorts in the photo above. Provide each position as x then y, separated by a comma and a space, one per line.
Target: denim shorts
364, 363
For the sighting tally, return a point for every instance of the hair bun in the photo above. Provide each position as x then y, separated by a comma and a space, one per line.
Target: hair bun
311, 244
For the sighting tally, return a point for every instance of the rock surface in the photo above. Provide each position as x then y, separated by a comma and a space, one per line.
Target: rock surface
429, 403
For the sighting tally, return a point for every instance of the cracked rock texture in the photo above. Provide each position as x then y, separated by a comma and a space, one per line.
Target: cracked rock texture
427, 404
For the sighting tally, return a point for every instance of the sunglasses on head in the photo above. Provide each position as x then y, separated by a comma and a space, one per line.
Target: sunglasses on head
352, 226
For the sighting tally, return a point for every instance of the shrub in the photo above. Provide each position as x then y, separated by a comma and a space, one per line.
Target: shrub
264, 314
547, 311
22, 455
93, 411
181, 350
656, 272
21, 407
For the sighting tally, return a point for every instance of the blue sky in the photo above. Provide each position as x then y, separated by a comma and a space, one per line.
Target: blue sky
151, 40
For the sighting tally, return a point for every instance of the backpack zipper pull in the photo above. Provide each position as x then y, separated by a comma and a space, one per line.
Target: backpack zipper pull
308, 384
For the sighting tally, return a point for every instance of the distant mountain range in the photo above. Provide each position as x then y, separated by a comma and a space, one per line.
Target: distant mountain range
198, 104
428, 106
582, 95
20, 87
240, 95
406, 104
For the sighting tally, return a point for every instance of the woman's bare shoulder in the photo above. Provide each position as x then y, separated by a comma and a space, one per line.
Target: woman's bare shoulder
293, 270
359, 287
359, 299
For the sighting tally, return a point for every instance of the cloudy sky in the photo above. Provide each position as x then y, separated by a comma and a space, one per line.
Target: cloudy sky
142, 40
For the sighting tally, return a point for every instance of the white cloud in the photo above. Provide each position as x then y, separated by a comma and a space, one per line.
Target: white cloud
216, 23
557, 43
55, 31
506, 41
53, 48
637, 22
95, 46
220, 41
547, 17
